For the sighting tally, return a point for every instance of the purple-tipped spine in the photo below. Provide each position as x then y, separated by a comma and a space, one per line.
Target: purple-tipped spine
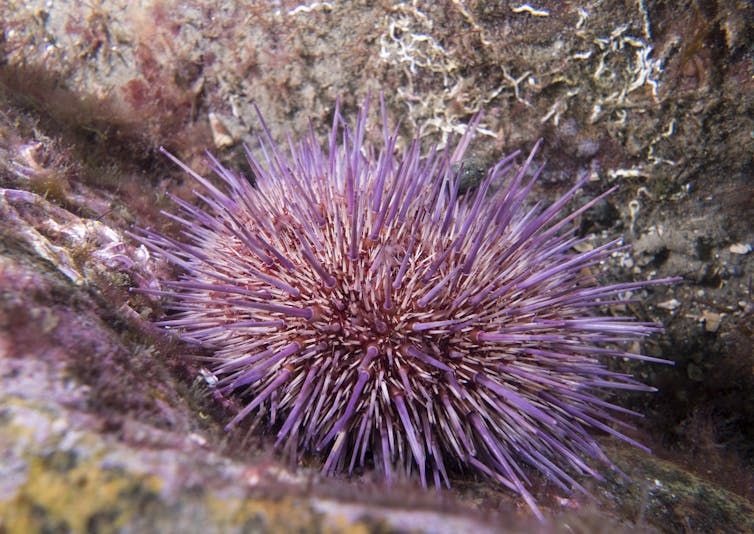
394, 323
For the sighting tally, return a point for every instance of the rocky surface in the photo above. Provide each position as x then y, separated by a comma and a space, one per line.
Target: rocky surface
105, 427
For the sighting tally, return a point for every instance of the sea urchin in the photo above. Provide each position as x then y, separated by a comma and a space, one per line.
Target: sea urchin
377, 316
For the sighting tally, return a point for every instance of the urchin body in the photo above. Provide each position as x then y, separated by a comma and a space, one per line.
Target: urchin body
378, 317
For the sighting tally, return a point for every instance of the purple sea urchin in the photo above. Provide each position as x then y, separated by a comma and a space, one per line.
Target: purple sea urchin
375, 315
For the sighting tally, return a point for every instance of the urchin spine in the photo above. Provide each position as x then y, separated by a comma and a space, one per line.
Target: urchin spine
375, 313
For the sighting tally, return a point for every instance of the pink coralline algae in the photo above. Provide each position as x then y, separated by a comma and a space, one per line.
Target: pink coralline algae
375, 316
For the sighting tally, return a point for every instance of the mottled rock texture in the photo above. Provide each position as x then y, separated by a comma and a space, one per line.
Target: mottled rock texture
104, 426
